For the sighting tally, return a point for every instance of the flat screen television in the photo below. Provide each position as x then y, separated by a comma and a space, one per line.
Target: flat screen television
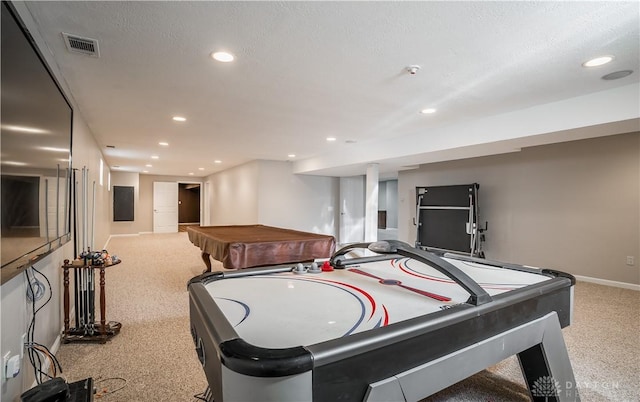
35, 145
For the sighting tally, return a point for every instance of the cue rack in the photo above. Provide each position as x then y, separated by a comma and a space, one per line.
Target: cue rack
448, 219
84, 266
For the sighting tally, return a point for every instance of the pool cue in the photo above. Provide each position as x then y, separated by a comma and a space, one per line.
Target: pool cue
57, 201
81, 240
81, 298
90, 314
67, 202
46, 214
92, 288
93, 217
85, 173
85, 220
75, 245
85, 296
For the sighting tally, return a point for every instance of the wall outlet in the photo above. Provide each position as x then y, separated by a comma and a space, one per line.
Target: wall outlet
5, 362
12, 367
631, 260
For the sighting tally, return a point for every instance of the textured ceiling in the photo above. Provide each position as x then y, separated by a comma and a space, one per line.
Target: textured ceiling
308, 70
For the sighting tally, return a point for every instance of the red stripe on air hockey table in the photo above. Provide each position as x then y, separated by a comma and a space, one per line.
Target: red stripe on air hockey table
402, 265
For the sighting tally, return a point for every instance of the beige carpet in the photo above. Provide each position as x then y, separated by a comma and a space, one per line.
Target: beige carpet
153, 359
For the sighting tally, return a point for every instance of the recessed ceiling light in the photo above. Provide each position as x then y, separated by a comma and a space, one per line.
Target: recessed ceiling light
200, 168
217, 161
331, 139
222, 56
145, 171
291, 155
598, 61
149, 165
179, 118
428, 110
164, 144
155, 157
190, 173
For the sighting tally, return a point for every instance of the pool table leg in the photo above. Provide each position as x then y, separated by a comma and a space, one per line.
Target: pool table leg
207, 262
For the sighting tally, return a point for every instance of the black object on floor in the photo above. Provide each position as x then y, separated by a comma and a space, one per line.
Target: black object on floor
54, 390
81, 391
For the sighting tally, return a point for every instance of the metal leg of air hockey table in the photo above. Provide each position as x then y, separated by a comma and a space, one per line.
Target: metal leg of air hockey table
540, 348
539, 345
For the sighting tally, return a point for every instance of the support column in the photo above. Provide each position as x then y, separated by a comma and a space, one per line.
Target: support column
371, 203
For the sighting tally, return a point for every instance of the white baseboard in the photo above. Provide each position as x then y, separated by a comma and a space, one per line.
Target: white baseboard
118, 235
125, 235
56, 344
607, 282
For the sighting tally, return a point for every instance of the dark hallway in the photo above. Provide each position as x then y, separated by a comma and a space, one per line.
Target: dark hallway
188, 203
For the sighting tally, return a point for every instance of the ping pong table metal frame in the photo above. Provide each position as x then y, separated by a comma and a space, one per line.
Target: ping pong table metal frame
448, 219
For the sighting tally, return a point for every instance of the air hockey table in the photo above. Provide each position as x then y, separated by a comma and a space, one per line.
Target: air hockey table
397, 325
245, 246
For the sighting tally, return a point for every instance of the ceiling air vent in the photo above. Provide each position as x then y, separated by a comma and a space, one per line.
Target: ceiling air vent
77, 44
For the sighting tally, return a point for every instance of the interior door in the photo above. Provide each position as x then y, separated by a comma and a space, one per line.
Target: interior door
352, 209
165, 207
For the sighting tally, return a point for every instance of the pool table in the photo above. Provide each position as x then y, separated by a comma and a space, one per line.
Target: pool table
244, 246
397, 325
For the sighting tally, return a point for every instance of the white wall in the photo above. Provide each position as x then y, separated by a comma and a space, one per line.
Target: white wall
352, 209
233, 195
571, 206
300, 202
267, 192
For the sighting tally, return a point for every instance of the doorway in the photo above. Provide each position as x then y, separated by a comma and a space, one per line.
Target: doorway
388, 210
188, 205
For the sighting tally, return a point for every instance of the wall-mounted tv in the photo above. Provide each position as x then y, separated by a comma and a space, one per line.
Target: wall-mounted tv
35, 145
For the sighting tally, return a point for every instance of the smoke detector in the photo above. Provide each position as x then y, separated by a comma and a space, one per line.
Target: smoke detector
80, 45
413, 70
